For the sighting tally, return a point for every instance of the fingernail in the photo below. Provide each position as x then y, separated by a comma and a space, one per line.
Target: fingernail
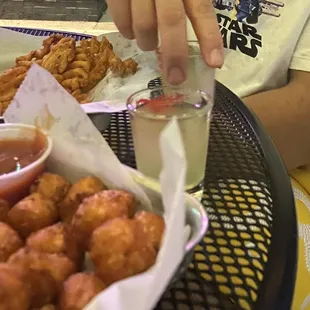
216, 58
176, 76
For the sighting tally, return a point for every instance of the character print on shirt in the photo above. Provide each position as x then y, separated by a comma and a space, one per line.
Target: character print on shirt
236, 27
249, 11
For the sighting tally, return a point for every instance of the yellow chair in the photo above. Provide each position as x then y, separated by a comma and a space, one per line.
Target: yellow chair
301, 185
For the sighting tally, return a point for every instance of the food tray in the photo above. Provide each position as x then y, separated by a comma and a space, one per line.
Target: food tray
100, 120
81, 163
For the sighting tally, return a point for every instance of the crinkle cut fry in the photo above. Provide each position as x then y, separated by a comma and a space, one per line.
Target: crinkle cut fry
57, 60
14, 83
47, 44
122, 68
44, 50
90, 59
103, 58
10, 81
8, 95
76, 75
12, 73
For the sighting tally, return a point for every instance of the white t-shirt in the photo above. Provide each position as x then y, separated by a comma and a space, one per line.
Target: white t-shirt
262, 40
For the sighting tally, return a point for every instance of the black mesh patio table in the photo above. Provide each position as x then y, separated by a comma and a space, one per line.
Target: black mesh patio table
248, 257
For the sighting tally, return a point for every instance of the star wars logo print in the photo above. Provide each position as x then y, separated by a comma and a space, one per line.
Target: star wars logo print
237, 32
239, 36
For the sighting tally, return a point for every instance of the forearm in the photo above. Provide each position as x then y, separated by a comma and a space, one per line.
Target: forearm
285, 114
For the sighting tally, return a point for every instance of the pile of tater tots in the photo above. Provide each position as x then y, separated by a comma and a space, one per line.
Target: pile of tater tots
46, 238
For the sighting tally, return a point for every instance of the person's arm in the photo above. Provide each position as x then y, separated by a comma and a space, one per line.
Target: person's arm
285, 113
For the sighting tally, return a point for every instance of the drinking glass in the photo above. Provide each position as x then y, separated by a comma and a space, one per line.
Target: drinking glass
150, 111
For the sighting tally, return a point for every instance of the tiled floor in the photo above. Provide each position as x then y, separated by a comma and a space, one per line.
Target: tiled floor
92, 28
57, 10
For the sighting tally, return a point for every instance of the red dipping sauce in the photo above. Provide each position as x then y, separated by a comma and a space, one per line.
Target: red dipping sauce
22, 159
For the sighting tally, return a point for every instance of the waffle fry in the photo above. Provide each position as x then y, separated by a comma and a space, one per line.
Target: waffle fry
105, 43
57, 60
82, 64
99, 70
14, 83
10, 74
77, 66
47, 44
76, 76
71, 84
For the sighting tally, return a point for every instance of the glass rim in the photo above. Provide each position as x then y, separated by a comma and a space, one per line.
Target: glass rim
132, 108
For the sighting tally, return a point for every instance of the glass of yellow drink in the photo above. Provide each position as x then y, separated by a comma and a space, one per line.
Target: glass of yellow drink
150, 111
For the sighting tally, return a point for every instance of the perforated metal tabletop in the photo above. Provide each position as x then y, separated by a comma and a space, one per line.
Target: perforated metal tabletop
247, 259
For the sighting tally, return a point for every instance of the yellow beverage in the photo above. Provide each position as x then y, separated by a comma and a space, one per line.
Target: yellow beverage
193, 115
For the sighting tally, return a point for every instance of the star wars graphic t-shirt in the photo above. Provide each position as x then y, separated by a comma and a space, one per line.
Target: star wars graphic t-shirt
262, 40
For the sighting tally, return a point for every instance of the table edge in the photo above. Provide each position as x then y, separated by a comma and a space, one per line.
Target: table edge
281, 189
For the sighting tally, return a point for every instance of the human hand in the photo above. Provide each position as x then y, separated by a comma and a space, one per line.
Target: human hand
143, 19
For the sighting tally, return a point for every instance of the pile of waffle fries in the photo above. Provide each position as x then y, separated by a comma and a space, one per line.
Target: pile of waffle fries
77, 66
